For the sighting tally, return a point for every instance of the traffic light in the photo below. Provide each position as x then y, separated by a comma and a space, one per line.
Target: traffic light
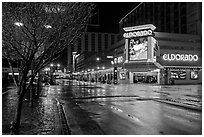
115, 75
165, 72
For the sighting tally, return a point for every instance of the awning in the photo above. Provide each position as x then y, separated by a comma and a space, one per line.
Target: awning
183, 67
141, 66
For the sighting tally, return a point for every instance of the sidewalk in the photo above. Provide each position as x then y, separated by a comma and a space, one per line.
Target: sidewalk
42, 119
189, 96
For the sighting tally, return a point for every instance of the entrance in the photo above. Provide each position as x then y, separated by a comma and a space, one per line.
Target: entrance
144, 78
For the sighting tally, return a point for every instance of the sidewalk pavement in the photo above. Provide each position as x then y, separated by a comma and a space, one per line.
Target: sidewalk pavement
188, 96
42, 119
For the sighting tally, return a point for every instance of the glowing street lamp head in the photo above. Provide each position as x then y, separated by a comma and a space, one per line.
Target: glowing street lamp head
58, 65
48, 26
97, 59
51, 65
19, 24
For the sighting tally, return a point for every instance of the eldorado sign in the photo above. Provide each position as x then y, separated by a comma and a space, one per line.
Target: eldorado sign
140, 33
180, 57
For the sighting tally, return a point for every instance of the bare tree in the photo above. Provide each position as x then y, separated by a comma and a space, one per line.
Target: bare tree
36, 34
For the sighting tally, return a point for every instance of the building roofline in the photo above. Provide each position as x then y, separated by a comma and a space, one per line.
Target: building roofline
130, 12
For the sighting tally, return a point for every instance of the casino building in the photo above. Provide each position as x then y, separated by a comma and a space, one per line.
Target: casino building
164, 58
146, 56
168, 53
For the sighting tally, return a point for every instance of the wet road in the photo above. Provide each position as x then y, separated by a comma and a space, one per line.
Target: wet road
127, 110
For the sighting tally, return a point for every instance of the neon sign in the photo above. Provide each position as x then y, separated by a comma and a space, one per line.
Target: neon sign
117, 60
141, 33
180, 57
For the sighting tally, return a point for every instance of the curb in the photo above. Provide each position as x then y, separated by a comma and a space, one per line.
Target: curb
178, 104
66, 129
73, 126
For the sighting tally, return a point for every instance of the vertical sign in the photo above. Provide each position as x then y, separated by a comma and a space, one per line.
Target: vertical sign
137, 41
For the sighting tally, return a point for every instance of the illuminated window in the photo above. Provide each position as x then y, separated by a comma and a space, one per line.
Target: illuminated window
178, 75
194, 75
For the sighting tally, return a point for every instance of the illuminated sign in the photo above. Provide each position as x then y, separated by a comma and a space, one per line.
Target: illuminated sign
137, 49
117, 60
140, 33
180, 57
194, 75
178, 75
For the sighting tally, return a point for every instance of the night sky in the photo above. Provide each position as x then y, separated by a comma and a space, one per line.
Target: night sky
109, 15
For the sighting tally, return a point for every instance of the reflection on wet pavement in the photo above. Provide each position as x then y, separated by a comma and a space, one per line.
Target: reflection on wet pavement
113, 105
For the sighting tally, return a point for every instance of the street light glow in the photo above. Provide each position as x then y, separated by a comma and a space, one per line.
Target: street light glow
48, 26
58, 65
51, 65
97, 59
19, 24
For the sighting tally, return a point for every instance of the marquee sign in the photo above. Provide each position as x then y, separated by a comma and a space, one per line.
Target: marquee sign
139, 33
117, 60
138, 42
180, 57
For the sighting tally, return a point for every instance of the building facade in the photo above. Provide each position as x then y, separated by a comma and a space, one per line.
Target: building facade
91, 42
170, 53
170, 17
145, 56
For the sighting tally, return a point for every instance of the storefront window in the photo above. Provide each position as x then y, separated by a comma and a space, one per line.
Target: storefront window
182, 75
194, 75
174, 75
178, 75
122, 76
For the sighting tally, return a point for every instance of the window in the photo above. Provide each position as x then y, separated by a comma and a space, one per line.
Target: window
178, 75
99, 42
86, 42
112, 39
106, 41
194, 75
92, 42
79, 45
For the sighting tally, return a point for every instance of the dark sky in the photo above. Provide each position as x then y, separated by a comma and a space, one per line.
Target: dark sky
110, 13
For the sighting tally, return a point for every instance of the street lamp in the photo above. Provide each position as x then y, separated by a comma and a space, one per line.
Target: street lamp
97, 58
